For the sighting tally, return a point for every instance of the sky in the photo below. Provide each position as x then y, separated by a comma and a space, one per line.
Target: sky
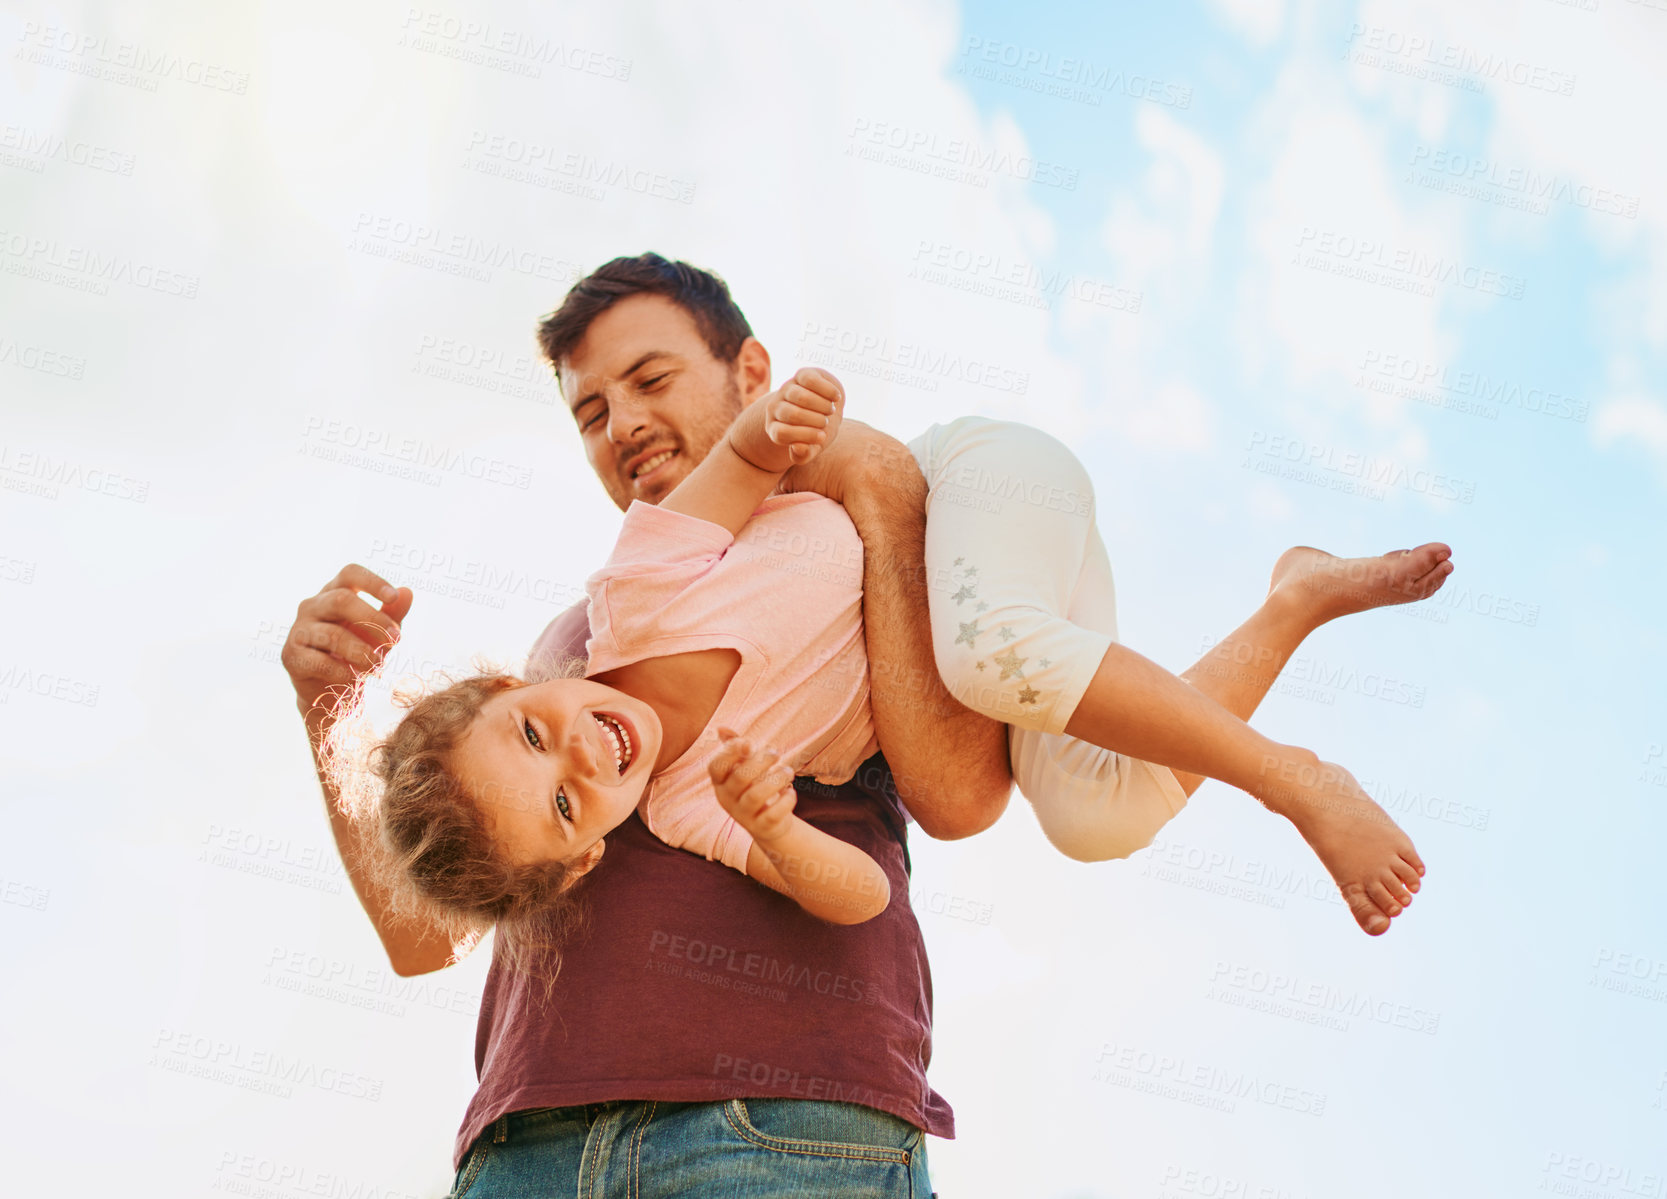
1354, 277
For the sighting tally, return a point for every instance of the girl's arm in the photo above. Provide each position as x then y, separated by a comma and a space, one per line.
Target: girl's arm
786, 428
825, 876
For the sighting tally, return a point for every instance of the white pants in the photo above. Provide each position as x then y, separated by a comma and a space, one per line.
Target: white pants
1023, 610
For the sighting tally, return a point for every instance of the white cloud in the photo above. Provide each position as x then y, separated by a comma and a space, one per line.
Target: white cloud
1258, 20
1636, 421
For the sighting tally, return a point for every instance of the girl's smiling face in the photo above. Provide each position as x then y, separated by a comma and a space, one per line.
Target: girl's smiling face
555, 766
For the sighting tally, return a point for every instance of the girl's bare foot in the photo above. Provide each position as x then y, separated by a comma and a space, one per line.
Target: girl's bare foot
1372, 860
1323, 586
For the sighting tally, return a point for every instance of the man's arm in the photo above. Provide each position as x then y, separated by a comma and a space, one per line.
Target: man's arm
949, 763
335, 638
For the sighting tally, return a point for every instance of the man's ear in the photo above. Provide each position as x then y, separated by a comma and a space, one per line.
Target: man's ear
752, 367
586, 862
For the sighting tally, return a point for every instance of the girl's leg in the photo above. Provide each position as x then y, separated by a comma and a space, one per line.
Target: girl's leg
1023, 609
1017, 498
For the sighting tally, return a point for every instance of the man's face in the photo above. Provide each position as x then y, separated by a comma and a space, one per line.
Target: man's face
643, 385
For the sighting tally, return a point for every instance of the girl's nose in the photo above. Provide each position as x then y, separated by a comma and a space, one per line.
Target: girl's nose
584, 756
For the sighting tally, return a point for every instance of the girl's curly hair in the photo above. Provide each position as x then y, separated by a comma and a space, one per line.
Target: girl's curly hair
429, 845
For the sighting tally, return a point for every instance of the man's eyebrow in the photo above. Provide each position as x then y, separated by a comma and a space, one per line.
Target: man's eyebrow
624, 374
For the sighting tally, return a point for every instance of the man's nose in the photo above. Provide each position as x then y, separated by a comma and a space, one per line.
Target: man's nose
627, 418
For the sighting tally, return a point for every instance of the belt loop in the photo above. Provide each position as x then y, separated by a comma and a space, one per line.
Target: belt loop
500, 1129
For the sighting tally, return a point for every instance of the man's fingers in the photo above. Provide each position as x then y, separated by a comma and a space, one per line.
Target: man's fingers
306, 663
358, 578
397, 608
338, 642
342, 606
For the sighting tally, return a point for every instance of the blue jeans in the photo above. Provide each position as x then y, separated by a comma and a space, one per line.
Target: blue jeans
730, 1149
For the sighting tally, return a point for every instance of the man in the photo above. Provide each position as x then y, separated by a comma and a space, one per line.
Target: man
705, 1036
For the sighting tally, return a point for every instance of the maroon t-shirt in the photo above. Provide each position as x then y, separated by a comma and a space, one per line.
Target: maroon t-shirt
691, 982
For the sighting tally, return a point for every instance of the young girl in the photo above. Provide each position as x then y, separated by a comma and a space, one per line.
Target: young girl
727, 607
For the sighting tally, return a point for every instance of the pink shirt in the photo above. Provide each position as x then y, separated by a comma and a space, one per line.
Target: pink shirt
786, 593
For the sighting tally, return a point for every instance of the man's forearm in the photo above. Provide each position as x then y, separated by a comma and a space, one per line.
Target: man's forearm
411, 949
949, 762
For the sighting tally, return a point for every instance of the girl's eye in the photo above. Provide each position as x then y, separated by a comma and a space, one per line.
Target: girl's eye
532, 735
654, 382
561, 805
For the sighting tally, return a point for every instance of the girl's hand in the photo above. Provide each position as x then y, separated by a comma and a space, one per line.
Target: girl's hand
755, 788
803, 415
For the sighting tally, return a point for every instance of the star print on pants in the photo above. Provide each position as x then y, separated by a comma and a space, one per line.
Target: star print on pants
966, 593
968, 632
1007, 634
1010, 663
1028, 696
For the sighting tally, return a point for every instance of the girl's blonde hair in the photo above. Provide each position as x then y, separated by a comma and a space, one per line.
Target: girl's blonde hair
431, 847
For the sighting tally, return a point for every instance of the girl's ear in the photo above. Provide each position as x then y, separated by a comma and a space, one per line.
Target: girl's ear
586, 862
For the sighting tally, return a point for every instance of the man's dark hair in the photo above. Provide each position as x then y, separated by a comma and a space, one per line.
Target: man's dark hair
700, 293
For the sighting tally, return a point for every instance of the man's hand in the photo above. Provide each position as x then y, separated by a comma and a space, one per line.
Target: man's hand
337, 637
755, 788
791, 425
